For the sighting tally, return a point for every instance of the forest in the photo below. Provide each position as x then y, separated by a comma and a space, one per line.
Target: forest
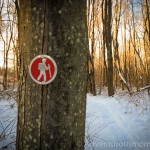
129, 33
90, 49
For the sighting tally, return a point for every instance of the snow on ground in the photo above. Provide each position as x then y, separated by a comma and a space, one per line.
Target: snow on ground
121, 122
115, 123
8, 119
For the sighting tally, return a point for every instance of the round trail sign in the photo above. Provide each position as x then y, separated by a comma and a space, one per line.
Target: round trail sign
43, 69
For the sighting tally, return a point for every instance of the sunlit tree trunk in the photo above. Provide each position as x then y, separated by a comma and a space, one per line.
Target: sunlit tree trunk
117, 16
134, 46
147, 38
91, 65
125, 49
104, 42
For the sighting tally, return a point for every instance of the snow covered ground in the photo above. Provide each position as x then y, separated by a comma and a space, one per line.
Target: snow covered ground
8, 120
121, 122
118, 123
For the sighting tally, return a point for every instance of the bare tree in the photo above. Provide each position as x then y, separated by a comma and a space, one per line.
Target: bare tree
108, 18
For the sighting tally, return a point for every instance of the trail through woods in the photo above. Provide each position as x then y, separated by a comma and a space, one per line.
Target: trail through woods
116, 123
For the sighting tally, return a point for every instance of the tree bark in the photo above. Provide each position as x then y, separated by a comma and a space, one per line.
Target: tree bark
52, 117
104, 12
109, 48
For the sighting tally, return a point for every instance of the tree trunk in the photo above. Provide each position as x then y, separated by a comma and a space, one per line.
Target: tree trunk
147, 38
93, 52
109, 48
52, 117
104, 12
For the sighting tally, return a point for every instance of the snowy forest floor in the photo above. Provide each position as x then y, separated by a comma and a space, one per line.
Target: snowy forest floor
121, 122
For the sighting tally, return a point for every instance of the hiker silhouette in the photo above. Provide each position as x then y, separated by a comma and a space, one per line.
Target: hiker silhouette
42, 67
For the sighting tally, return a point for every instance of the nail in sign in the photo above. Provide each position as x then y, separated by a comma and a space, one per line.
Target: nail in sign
43, 69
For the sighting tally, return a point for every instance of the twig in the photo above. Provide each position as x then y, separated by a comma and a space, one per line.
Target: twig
8, 145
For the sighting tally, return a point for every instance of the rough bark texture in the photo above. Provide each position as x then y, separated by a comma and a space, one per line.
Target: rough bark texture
53, 116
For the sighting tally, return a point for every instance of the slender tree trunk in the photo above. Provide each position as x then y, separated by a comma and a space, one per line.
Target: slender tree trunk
93, 53
109, 48
104, 43
5, 76
147, 38
129, 62
125, 52
135, 51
